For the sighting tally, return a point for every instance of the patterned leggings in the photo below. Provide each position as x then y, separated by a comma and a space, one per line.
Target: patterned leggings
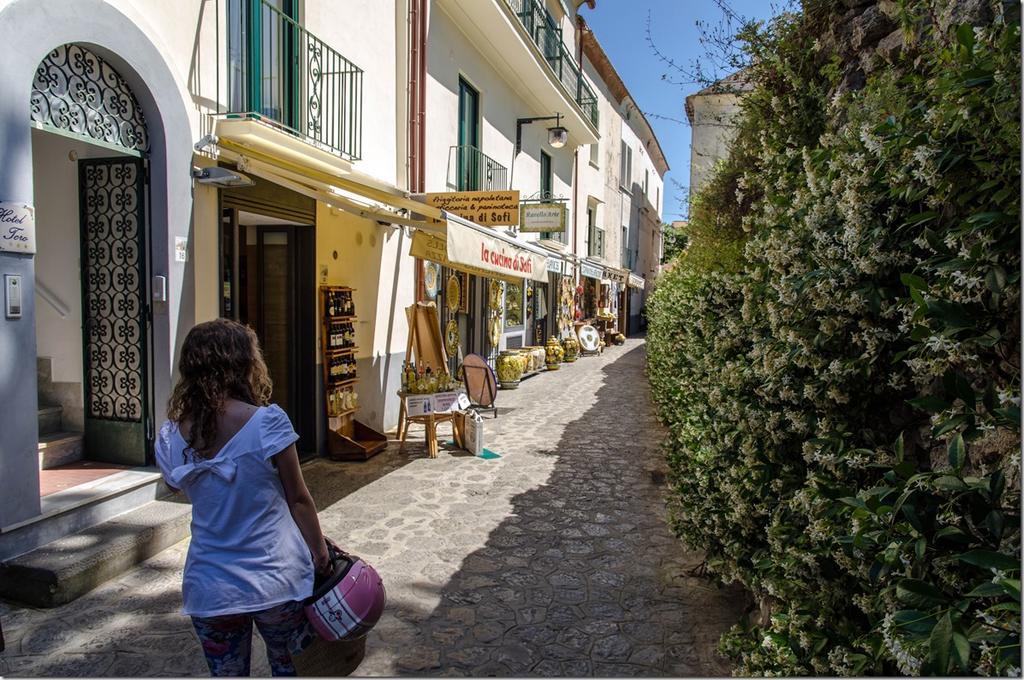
227, 640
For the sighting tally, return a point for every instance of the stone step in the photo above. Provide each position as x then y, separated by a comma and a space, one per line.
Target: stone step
59, 448
50, 419
71, 566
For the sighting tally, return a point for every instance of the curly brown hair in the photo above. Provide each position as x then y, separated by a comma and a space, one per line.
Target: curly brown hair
220, 360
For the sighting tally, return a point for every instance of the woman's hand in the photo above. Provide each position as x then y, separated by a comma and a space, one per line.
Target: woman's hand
321, 559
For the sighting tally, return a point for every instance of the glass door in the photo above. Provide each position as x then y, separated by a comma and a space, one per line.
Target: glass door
469, 138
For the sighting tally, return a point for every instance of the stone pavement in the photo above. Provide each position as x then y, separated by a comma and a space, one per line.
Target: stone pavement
553, 560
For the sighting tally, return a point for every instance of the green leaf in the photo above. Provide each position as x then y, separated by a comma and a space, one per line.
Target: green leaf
939, 643
954, 534
949, 425
996, 279
1011, 586
949, 483
930, 404
914, 621
913, 282
986, 589
956, 451
989, 559
961, 650
919, 593
920, 546
994, 522
965, 36
898, 447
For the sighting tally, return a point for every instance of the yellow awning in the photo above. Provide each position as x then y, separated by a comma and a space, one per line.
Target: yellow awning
278, 150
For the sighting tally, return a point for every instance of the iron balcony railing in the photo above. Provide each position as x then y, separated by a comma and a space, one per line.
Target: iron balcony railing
469, 169
281, 73
548, 38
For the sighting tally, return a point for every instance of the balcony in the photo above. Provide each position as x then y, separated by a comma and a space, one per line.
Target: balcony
280, 74
548, 39
469, 169
517, 40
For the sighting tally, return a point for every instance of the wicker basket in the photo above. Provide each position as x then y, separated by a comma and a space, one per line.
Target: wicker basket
330, 659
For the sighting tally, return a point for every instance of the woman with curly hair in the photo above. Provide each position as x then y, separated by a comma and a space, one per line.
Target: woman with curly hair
256, 539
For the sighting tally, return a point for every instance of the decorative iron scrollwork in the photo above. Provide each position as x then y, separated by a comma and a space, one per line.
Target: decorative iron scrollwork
77, 91
113, 265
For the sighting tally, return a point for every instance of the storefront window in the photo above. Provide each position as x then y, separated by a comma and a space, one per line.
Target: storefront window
513, 305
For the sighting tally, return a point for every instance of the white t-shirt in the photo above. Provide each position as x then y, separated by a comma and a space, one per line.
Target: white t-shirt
247, 553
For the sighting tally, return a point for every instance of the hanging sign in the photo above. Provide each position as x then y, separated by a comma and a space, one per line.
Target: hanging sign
477, 249
637, 281
542, 217
487, 208
591, 271
554, 265
17, 227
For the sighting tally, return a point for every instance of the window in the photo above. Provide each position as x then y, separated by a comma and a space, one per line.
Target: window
657, 202
546, 188
469, 138
595, 154
626, 167
595, 235
646, 178
264, 53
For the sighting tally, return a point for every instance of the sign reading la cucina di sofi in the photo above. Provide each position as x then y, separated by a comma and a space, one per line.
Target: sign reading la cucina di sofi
17, 227
474, 248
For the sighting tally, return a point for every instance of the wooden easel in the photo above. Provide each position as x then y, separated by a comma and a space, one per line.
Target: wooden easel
425, 347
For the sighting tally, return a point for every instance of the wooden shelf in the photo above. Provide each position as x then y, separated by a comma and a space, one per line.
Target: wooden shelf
341, 350
343, 383
342, 414
339, 319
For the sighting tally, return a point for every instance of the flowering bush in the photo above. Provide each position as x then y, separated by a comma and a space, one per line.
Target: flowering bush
843, 397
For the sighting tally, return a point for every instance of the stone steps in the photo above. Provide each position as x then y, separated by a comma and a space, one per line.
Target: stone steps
69, 567
59, 448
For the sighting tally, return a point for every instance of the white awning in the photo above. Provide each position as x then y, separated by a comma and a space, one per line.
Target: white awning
488, 249
637, 281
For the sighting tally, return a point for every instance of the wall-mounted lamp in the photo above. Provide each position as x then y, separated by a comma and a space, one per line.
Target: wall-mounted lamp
557, 135
221, 177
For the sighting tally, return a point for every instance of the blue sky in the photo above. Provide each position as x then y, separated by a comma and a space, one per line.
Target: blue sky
621, 26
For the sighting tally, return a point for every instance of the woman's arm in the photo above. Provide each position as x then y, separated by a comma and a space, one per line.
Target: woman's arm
301, 505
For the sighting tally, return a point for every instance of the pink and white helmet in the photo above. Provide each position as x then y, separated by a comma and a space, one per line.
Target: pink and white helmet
346, 605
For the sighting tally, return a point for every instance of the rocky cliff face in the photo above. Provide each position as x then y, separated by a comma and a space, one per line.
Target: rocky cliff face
871, 34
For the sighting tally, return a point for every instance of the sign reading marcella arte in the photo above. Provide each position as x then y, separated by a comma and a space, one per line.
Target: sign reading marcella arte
542, 217
488, 208
476, 249
17, 227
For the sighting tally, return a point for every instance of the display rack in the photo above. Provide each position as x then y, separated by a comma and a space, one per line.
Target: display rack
347, 439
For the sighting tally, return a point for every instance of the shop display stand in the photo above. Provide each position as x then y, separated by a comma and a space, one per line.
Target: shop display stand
347, 438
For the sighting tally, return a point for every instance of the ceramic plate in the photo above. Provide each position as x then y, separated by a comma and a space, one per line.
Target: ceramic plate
590, 339
430, 276
451, 337
453, 293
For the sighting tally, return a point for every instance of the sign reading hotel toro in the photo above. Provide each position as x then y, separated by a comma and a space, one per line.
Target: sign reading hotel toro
487, 208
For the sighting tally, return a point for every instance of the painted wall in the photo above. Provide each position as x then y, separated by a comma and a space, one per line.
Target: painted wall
139, 56
374, 261
451, 55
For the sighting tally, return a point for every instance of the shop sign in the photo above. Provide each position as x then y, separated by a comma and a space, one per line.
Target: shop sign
591, 271
615, 275
554, 265
425, 404
477, 249
487, 208
535, 217
637, 281
434, 247
17, 227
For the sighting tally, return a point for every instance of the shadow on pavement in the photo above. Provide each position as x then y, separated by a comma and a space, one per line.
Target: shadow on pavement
583, 576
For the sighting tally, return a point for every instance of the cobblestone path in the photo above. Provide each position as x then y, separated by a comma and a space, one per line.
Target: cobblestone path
553, 560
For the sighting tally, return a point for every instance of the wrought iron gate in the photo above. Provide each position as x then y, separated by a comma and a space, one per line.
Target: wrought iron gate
114, 308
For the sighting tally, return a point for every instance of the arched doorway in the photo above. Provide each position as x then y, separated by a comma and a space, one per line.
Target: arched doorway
90, 146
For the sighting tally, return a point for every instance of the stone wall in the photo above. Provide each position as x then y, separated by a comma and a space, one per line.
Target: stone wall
872, 34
